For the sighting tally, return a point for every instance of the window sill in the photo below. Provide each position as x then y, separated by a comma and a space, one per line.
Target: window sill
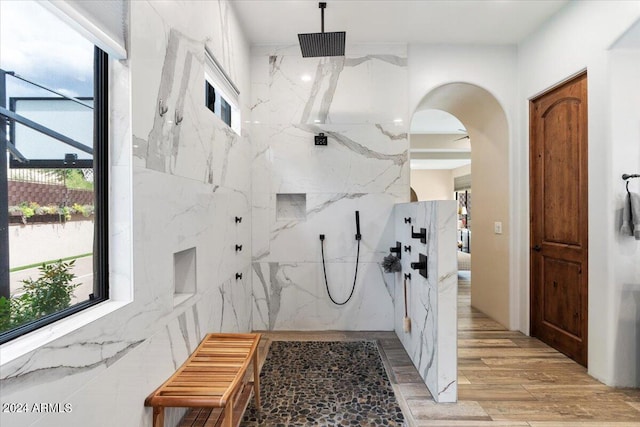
36, 339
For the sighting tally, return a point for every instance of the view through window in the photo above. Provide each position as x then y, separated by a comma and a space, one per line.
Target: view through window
53, 180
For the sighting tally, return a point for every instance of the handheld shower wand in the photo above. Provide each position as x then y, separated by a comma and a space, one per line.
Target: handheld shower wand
355, 275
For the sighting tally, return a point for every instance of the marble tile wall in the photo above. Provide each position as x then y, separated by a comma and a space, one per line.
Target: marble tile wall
432, 301
175, 187
360, 103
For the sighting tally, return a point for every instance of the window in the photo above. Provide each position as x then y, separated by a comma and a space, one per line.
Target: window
221, 95
54, 179
217, 104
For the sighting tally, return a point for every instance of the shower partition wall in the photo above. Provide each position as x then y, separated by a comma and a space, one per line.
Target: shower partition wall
431, 301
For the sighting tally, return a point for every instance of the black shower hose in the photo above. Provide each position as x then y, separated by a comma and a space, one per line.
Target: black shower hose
326, 282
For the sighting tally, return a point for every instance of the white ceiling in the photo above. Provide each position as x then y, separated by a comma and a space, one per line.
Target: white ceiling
435, 121
630, 39
396, 21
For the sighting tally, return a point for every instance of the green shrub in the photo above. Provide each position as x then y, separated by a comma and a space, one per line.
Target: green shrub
75, 179
28, 209
84, 210
48, 294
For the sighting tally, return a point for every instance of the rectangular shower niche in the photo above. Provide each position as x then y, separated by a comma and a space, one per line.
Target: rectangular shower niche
291, 206
184, 275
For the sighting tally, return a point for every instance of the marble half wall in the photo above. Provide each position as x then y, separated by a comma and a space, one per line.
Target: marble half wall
300, 190
432, 301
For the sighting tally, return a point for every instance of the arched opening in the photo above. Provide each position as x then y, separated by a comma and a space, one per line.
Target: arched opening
485, 123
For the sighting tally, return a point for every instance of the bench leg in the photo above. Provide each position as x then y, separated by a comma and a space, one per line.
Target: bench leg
158, 416
228, 414
256, 380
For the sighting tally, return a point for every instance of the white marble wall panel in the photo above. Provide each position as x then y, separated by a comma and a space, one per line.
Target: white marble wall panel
432, 301
360, 88
291, 240
361, 158
359, 102
197, 217
293, 296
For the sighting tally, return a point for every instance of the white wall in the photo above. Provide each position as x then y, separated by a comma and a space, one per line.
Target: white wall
578, 38
624, 84
625, 134
483, 96
187, 183
432, 184
355, 101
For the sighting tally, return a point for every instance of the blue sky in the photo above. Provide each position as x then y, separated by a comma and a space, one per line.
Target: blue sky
40, 47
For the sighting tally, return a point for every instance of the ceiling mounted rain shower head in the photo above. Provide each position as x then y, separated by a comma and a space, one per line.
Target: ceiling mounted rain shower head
315, 45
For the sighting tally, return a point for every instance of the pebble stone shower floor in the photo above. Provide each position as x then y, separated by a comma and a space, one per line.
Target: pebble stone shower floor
325, 383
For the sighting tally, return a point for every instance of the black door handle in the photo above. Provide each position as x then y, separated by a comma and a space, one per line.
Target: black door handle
537, 248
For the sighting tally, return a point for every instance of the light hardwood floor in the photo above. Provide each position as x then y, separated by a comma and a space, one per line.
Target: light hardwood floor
505, 379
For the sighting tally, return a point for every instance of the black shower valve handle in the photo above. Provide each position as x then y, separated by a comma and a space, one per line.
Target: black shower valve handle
422, 235
421, 265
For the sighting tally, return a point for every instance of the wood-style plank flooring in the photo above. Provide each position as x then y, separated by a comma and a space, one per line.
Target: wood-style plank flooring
505, 379
508, 379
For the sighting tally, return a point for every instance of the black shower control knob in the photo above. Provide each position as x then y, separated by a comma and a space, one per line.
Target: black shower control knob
422, 234
418, 265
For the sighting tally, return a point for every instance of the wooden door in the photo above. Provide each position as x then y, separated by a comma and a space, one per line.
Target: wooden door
559, 218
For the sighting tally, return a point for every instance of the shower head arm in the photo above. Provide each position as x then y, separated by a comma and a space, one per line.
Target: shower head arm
322, 6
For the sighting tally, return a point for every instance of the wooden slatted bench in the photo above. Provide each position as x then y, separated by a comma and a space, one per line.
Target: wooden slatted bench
211, 382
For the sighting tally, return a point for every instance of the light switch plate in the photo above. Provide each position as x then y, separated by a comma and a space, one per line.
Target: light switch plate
497, 227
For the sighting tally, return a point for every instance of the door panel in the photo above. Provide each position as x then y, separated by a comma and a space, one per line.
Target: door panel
558, 294
561, 171
559, 218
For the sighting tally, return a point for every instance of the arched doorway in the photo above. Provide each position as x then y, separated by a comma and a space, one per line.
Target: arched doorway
485, 123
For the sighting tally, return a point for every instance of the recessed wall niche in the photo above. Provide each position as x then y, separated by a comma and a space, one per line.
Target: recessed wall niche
291, 206
184, 275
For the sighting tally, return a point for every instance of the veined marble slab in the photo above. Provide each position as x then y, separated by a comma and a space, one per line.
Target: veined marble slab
432, 301
356, 102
